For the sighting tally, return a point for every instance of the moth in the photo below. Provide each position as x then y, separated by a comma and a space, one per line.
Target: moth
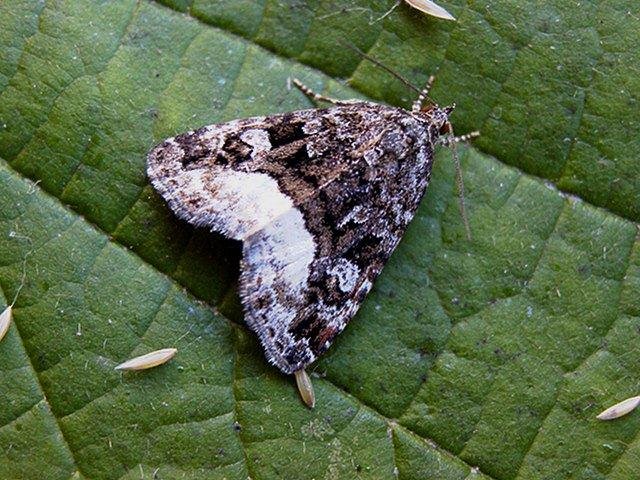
320, 198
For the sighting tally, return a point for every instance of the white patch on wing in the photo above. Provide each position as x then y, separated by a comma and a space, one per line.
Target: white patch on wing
358, 214
237, 204
283, 249
347, 274
258, 138
275, 271
372, 156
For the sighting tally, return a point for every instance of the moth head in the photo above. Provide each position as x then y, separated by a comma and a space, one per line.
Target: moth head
439, 116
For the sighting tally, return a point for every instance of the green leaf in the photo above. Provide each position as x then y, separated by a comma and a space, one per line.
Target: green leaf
481, 359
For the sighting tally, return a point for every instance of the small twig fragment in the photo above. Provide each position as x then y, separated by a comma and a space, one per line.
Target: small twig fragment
305, 387
5, 321
460, 185
620, 409
378, 63
149, 360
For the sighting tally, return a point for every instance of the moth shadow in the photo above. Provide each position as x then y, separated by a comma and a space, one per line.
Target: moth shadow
210, 269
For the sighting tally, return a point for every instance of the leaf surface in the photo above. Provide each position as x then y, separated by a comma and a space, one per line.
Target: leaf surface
482, 359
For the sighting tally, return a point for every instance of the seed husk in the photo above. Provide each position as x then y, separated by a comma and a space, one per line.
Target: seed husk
305, 387
5, 321
148, 360
620, 409
425, 6
431, 8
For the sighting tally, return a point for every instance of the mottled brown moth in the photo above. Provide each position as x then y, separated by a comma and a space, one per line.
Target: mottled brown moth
320, 198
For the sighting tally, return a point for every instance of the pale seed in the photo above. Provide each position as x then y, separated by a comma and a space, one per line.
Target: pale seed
305, 387
620, 409
5, 321
149, 360
431, 8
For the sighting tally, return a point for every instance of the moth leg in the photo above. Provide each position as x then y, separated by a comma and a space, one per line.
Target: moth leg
417, 105
305, 387
452, 142
316, 96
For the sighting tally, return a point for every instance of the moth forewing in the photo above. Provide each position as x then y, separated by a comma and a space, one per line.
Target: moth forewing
431, 8
620, 409
149, 360
5, 321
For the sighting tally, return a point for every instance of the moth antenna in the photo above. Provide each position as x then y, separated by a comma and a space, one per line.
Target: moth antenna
381, 65
314, 95
424, 94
